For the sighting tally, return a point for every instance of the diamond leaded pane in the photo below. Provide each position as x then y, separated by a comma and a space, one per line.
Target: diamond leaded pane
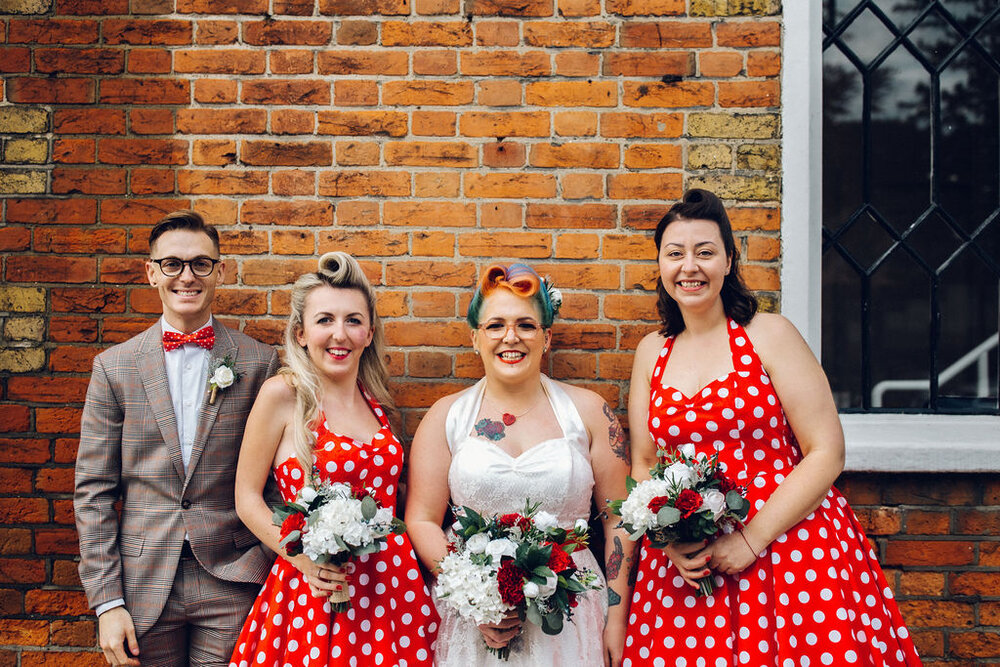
911, 204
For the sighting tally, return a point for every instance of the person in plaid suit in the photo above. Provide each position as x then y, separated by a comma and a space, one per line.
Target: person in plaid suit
165, 562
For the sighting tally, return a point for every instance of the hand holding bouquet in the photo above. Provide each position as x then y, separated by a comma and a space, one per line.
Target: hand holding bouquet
333, 523
517, 561
688, 498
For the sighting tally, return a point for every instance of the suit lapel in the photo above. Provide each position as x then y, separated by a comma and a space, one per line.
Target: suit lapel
224, 347
153, 373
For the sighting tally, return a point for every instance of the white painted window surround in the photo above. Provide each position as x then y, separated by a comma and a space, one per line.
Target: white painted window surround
875, 442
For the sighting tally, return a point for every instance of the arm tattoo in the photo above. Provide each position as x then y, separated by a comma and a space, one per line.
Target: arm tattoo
615, 559
633, 568
613, 598
616, 437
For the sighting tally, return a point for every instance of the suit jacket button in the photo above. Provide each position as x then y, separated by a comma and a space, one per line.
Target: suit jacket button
186, 504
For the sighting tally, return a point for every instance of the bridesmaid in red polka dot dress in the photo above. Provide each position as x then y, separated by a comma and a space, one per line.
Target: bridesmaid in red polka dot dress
326, 408
800, 584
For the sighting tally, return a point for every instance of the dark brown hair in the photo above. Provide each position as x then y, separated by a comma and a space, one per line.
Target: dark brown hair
739, 302
190, 220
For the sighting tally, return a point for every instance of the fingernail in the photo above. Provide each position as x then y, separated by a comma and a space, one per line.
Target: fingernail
339, 587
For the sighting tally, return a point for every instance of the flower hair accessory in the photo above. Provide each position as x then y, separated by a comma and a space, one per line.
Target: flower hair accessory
555, 296
221, 375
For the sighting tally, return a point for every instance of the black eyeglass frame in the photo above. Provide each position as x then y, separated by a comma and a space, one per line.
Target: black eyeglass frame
189, 263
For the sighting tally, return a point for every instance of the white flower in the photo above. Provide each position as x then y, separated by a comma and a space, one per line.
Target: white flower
635, 508
477, 543
471, 590
531, 590
581, 525
687, 450
223, 376
307, 494
545, 521
548, 588
712, 499
500, 548
680, 475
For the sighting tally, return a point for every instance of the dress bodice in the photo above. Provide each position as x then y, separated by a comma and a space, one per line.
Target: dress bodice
556, 472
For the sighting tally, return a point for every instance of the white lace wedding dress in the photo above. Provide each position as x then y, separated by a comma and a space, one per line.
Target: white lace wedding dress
555, 473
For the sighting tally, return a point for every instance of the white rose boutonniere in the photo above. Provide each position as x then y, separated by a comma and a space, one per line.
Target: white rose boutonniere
221, 375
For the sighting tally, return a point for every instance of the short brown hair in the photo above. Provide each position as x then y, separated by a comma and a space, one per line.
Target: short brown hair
190, 220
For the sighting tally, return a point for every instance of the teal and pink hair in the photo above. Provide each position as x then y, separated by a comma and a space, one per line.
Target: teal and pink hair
519, 279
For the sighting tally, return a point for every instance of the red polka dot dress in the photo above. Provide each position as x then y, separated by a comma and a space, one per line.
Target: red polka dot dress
815, 596
392, 620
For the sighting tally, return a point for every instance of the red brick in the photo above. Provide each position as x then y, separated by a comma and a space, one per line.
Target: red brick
749, 93
73, 329
362, 123
270, 33
357, 33
928, 553
504, 154
720, 63
52, 31
15, 238
429, 214
645, 64
22, 268
433, 123
507, 8
497, 33
164, 32
571, 216
763, 63
502, 63
153, 121
54, 480
72, 359
357, 153
79, 61
15, 60
26, 90
293, 182
287, 154
645, 186
672, 35
577, 246
221, 6
79, 240
145, 91
364, 183
974, 583
503, 185
222, 182
427, 93
355, 93
24, 632
441, 274
150, 61
139, 211
426, 33
974, 644
527, 245
221, 121
653, 156
86, 121
218, 32
574, 365
213, 152
293, 242
431, 7
749, 33
443, 62
143, 151
679, 94
430, 154
433, 304
91, 7
572, 93
286, 92
566, 336
55, 603
575, 154
978, 522
577, 8
291, 61
668, 125
215, 91
498, 124
282, 213
219, 61
646, 7
365, 243
384, 63
21, 450
73, 633
922, 583
577, 63
575, 123
588, 35
937, 613
364, 7
437, 184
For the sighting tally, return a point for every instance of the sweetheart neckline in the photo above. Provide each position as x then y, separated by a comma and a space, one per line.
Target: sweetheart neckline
692, 398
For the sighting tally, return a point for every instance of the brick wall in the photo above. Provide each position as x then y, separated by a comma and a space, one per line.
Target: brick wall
427, 137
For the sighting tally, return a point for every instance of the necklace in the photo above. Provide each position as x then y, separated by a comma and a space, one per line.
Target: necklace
494, 430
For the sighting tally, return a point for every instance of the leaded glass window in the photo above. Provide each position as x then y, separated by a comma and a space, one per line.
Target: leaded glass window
911, 204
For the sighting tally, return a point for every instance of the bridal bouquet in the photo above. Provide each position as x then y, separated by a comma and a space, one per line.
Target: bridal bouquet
517, 561
687, 499
333, 523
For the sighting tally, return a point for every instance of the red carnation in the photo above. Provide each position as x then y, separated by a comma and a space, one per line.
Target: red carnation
657, 503
559, 560
510, 581
687, 502
292, 522
514, 519
725, 483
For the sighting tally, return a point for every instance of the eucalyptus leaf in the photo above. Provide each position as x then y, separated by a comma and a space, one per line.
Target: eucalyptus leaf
668, 516
291, 537
368, 508
533, 615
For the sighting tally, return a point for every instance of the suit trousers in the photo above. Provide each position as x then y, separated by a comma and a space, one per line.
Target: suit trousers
200, 622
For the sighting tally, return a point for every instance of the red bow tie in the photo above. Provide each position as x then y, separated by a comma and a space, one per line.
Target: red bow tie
204, 337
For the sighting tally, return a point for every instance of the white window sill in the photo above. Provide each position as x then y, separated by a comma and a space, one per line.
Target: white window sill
921, 443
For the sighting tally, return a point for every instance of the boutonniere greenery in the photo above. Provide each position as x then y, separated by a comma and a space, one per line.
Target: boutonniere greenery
221, 375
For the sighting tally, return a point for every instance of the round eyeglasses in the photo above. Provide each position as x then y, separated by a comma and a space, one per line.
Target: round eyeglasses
174, 266
525, 329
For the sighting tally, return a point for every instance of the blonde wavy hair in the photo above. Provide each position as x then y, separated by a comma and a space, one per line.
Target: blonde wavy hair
339, 270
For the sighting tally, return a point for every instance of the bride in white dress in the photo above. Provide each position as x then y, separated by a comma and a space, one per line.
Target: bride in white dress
515, 436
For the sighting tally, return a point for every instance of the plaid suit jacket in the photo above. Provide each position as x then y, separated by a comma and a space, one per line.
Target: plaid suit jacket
130, 450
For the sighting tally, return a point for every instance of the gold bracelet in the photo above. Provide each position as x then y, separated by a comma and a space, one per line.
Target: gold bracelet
748, 543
